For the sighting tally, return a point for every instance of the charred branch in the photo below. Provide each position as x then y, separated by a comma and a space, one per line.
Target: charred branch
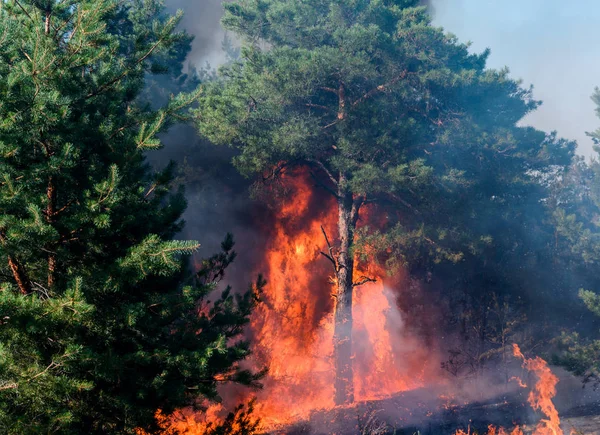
363, 280
331, 256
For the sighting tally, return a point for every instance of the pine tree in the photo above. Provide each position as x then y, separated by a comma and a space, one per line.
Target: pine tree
576, 218
381, 107
100, 328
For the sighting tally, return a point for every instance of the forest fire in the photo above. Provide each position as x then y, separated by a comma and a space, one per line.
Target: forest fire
540, 398
293, 329
418, 215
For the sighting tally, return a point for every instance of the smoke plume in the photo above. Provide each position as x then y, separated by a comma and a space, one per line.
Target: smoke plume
202, 19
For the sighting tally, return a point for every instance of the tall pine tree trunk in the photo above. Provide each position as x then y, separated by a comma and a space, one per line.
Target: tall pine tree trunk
342, 338
17, 270
50, 211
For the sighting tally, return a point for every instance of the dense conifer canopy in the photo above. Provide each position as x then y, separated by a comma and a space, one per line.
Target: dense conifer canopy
100, 325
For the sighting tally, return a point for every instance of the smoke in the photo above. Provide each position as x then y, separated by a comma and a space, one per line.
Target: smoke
562, 65
202, 19
430, 4
219, 203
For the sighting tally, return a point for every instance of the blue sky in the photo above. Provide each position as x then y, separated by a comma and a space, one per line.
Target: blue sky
552, 44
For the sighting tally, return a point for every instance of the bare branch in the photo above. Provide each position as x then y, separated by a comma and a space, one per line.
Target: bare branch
51, 366
322, 166
318, 106
8, 385
381, 88
363, 280
403, 202
331, 256
63, 208
23, 9
330, 90
323, 185
150, 190
331, 124
18, 271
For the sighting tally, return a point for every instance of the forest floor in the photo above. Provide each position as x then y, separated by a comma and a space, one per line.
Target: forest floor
428, 412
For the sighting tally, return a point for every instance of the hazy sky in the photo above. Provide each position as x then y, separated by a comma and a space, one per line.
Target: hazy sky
552, 44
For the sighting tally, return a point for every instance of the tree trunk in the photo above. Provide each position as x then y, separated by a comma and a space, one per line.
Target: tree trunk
50, 211
342, 338
19, 275
18, 271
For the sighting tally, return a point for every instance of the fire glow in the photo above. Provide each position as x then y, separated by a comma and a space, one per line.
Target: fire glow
293, 329
292, 332
540, 398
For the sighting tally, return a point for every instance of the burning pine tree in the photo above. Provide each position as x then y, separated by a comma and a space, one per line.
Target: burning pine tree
380, 107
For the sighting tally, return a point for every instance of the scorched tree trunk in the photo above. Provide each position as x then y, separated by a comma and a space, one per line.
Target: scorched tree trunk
342, 339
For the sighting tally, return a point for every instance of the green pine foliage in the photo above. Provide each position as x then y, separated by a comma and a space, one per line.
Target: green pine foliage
576, 218
383, 108
373, 99
99, 325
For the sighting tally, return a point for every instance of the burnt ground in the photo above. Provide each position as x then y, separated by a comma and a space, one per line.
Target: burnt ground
410, 413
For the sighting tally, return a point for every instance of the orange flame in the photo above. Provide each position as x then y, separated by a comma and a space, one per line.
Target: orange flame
492, 430
293, 330
540, 398
519, 381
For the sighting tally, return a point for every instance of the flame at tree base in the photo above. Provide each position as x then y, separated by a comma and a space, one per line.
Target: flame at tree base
292, 329
493, 430
292, 333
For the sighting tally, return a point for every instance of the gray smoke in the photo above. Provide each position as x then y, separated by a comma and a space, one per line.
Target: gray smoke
202, 19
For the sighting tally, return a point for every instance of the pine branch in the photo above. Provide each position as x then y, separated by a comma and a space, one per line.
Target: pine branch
381, 88
145, 56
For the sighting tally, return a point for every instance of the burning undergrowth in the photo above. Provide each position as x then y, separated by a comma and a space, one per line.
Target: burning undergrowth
292, 329
398, 379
